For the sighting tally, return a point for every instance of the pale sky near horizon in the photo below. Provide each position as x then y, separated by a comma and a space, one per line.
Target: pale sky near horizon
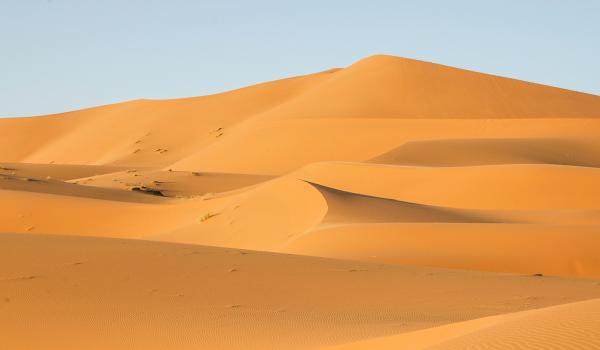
61, 55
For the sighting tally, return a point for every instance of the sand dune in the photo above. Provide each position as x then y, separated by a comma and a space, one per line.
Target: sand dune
260, 218
210, 222
569, 326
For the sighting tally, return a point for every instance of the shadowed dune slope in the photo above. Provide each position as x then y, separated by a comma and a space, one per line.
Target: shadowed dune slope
501, 187
347, 207
567, 250
56, 171
174, 183
467, 152
60, 188
98, 212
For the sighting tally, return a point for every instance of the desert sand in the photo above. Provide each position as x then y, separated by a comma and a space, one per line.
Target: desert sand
391, 204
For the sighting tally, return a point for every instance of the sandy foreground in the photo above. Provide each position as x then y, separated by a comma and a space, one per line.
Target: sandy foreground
392, 204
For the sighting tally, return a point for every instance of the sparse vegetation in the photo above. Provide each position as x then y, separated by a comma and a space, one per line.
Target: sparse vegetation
208, 216
147, 190
207, 196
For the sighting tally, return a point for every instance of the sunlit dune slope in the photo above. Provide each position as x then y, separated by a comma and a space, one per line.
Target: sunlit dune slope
386, 86
141, 132
569, 326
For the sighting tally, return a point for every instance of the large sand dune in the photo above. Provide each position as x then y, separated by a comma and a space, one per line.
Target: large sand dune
464, 209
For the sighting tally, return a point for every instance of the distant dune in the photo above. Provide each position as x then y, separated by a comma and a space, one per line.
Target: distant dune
391, 204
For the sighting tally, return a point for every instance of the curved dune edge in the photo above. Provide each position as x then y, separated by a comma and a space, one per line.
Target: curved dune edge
292, 216
499, 187
256, 217
263, 217
568, 326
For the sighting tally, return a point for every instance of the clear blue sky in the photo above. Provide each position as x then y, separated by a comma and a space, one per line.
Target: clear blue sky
59, 55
